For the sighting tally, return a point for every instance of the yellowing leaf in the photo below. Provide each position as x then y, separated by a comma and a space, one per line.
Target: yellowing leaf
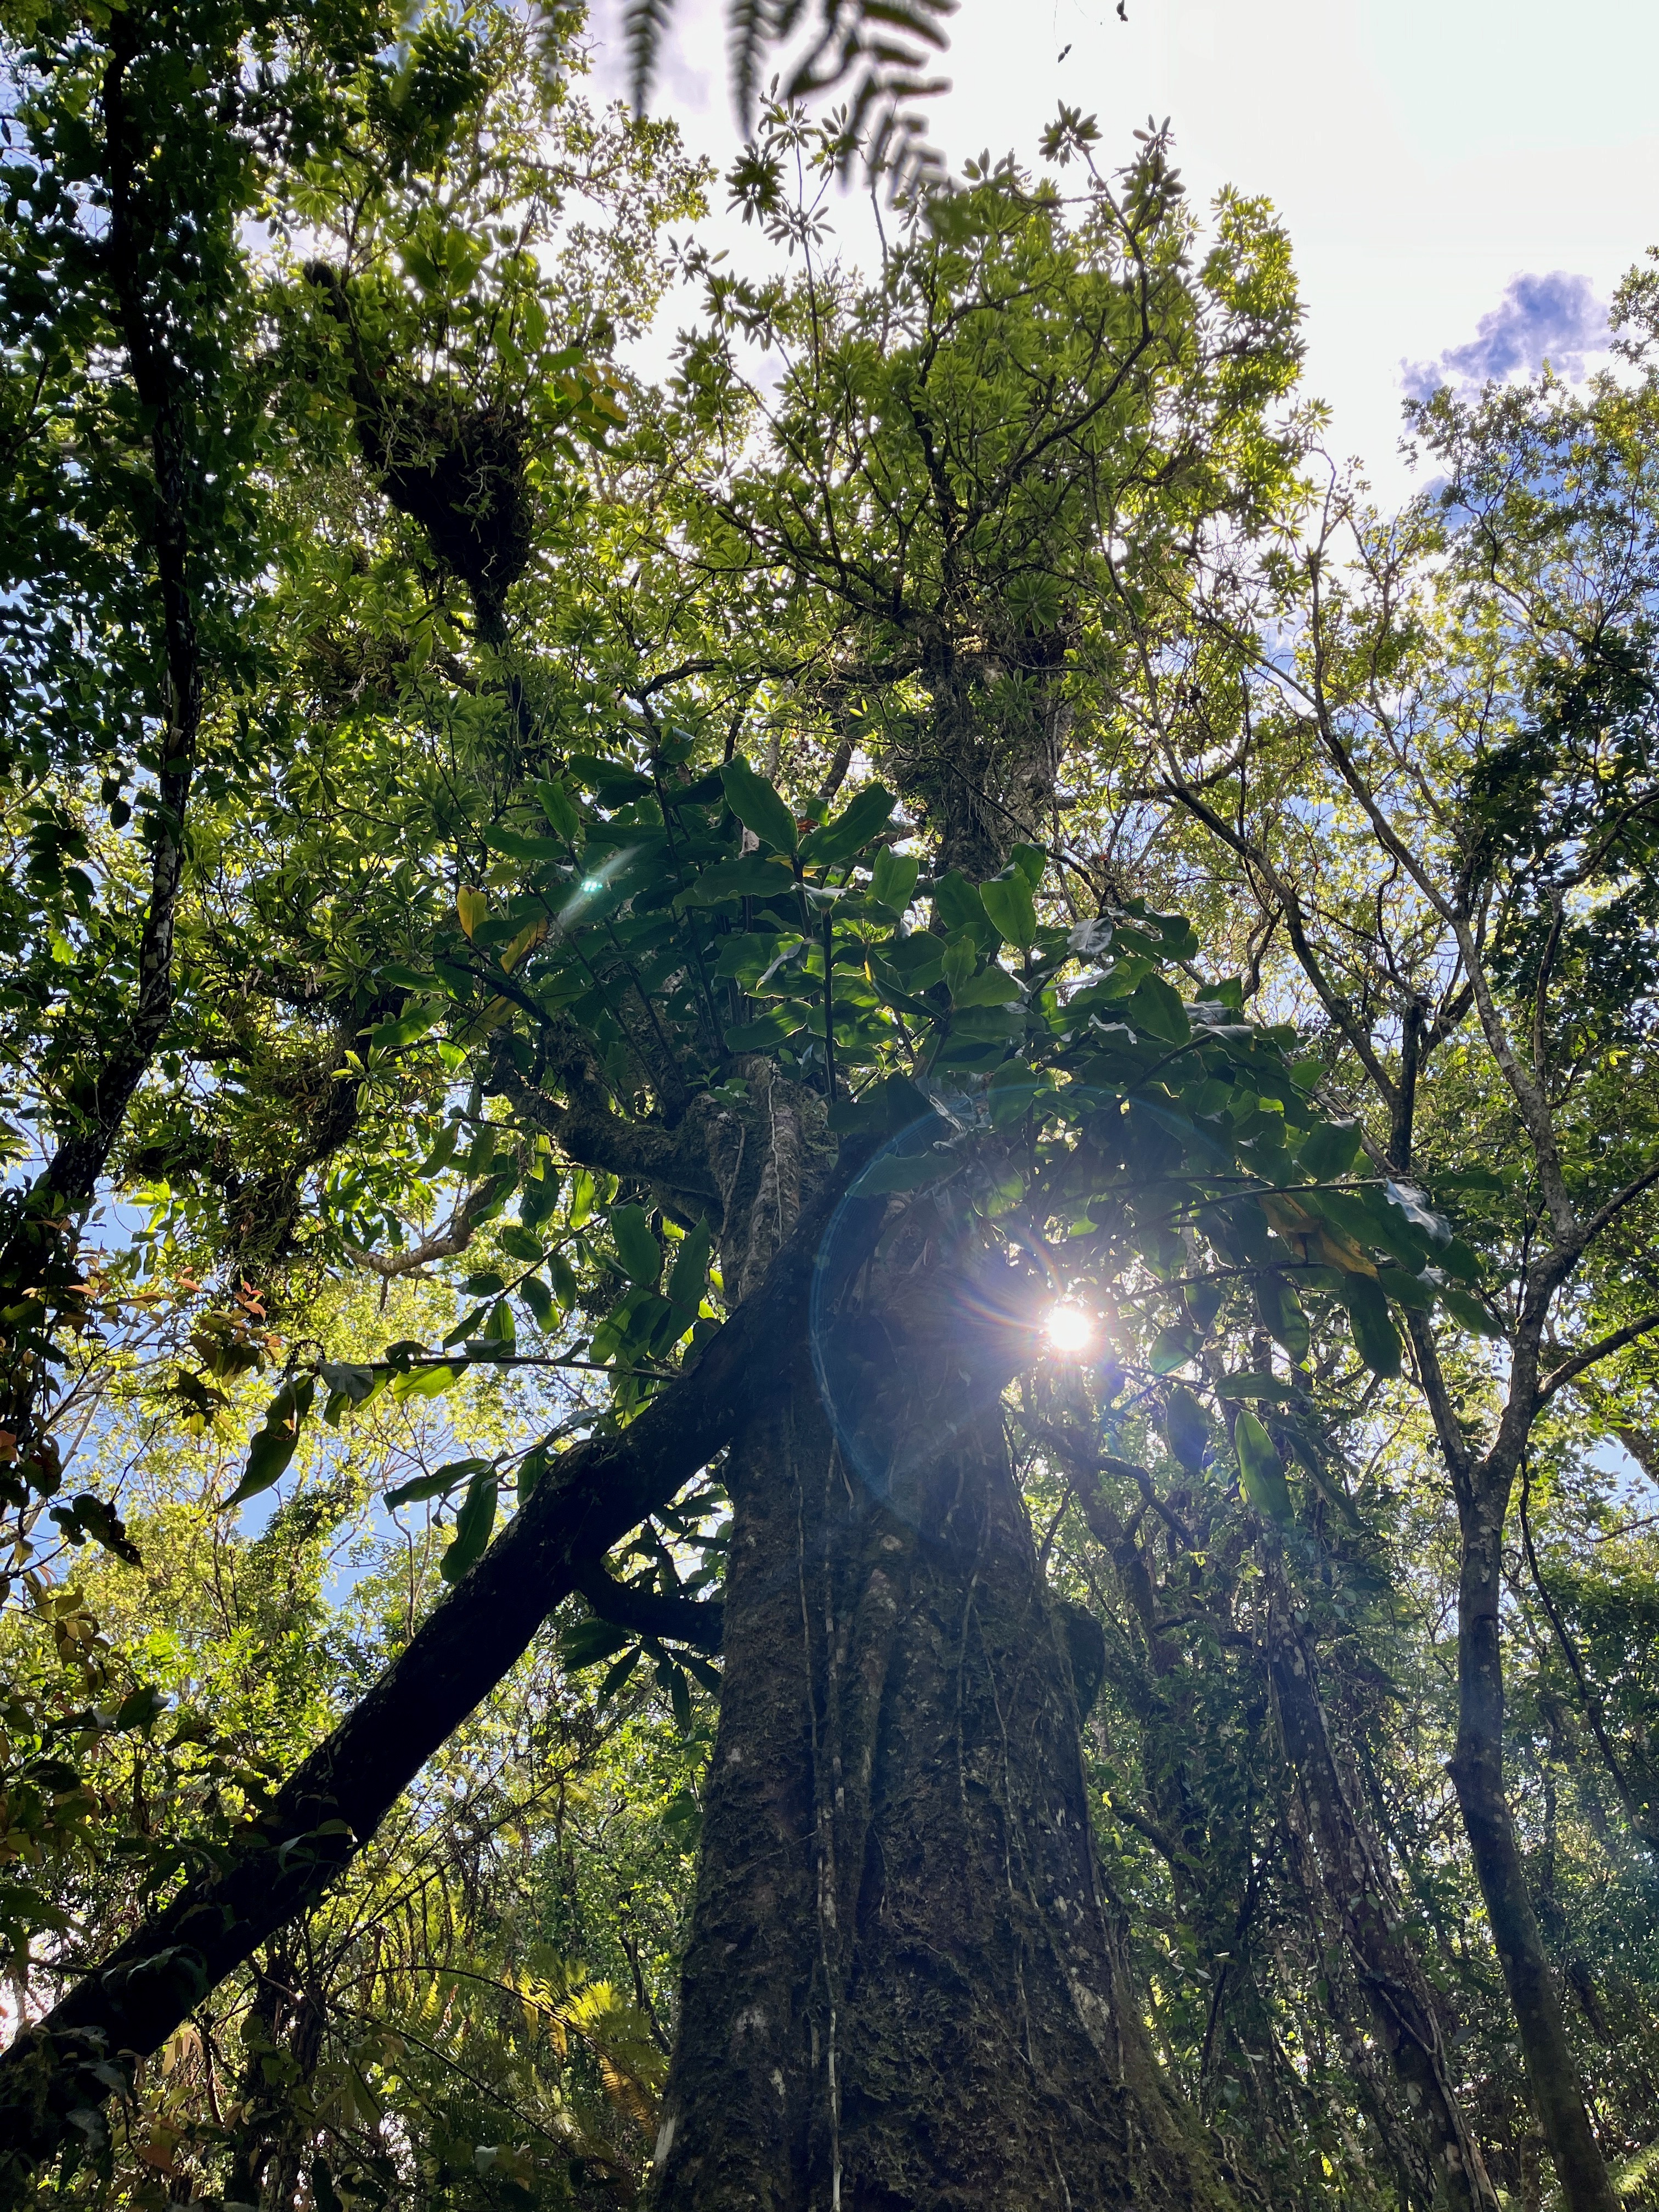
471, 905
527, 939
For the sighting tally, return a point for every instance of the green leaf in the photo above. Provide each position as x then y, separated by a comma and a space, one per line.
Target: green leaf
758, 806
672, 1679
356, 1383
762, 1035
620, 1673
755, 876
1185, 1430
560, 809
903, 1171
992, 986
958, 905
521, 1242
1282, 1316
893, 878
393, 1036
636, 1248
540, 1301
1260, 1470
1007, 900
584, 1642
269, 1454
1468, 1311
271, 1448
1329, 1151
424, 1382
141, 1707
1013, 1090
851, 830
473, 1526
1375, 1339
1155, 1008
689, 1271
1173, 1347
1254, 1382
434, 1485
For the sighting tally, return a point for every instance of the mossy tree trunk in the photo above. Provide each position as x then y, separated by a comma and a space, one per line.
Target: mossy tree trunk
904, 1985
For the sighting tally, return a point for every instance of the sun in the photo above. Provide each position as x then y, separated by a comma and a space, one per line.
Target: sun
1070, 1328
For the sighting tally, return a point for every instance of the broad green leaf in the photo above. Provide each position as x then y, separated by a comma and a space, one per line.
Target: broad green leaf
690, 1272
424, 1382
992, 986
1260, 1470
1375, 1339
1468, 1312
1013, 1090
1330, 1150
636, 1248
762, 1035
1007, 900
895, 1171
1174, 1347
755, 876
560, 809
540, 1301
851, 830
1282, 1316
958, 905
523, 1244
435, 1485
269, 1453
271, 1448
758, 806
474, 1525
1185, 1430
1254, 1382
1155, 1008
893, 878
584, 1642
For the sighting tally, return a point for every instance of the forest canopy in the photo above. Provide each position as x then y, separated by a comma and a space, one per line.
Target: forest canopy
827, 1274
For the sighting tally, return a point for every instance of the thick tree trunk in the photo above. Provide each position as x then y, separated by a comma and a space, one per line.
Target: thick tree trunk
1477, 1772
904, 1986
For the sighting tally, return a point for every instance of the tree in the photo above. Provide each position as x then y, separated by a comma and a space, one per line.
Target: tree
609, 935
907, 1215
1478, 733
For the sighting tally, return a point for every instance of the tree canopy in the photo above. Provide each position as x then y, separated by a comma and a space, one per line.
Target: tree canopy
827, 1278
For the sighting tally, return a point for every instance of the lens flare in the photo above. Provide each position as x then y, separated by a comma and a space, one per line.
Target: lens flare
1070, 1330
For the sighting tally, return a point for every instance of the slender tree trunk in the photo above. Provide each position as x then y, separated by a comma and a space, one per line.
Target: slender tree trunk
1477, 1772
1443, 2162
904, 1986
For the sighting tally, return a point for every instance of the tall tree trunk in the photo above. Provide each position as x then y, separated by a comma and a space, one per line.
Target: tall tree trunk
1477, 1771
1351, 1880
904, 1985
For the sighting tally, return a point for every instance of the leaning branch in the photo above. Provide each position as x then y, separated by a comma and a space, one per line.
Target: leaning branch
280, 1864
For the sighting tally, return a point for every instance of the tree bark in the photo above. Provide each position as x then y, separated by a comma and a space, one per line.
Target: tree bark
1477, 1772
1443, 2161
904, 1985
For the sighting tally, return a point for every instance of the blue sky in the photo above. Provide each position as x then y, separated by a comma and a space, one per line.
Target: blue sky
1463, 179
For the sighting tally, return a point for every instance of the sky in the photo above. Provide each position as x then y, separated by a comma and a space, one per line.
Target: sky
1464, 181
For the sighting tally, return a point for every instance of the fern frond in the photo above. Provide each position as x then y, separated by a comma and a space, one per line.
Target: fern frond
644, 23
882, 49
